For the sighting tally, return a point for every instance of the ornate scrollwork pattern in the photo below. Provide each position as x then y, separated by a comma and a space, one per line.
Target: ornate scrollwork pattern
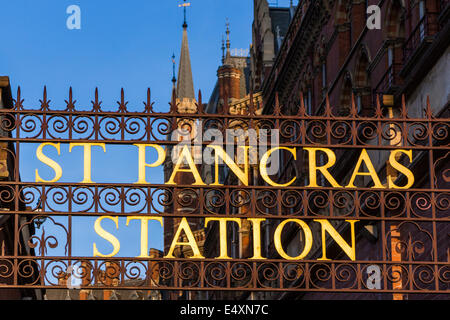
402, 233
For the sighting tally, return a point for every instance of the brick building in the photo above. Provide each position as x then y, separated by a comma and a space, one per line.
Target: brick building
323, 51
328, 52
109, 275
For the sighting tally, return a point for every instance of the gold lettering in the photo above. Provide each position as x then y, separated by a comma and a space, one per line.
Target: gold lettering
107, 236
313, 168
308, 239
223, 234
51, 163
241, 174
186, 154
327, 227
263, 166
144, 232
365, 157
87, 158
396, 165
184, 226
256, 225
143, 164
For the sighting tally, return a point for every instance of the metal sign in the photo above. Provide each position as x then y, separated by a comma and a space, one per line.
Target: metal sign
358, 204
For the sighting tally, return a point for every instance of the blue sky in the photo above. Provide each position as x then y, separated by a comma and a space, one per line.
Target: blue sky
125, 44
120, 44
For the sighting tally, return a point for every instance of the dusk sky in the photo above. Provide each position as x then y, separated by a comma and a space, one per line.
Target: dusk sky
125, 44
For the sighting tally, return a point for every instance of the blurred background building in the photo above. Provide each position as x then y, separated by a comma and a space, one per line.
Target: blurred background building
323, 50
9, 246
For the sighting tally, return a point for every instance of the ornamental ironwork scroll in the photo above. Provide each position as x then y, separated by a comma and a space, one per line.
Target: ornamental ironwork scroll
402, 233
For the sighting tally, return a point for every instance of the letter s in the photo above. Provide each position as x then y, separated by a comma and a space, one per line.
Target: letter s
52, 164
107, 236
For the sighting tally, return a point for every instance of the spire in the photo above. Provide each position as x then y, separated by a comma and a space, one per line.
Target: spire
223, 50
174, 79
227, 58
185, 85
185, 5
228, 39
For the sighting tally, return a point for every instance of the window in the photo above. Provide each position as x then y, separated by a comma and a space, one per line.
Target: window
390, 65
308, 102
390, 57
358, 103
422, 10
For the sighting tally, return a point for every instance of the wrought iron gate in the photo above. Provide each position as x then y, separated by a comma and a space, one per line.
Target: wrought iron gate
409, 251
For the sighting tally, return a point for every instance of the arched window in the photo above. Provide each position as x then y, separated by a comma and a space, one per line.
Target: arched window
362, 85
395, 20
395, 37
361, 76
346, 96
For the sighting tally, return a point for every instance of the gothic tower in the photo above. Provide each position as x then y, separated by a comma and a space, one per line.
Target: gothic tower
185, 97
229, 76
183, 202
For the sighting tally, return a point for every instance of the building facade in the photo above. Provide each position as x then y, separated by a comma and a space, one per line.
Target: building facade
330, 57
321, 55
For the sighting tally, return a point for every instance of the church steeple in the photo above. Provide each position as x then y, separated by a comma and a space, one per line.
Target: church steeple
185, 85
